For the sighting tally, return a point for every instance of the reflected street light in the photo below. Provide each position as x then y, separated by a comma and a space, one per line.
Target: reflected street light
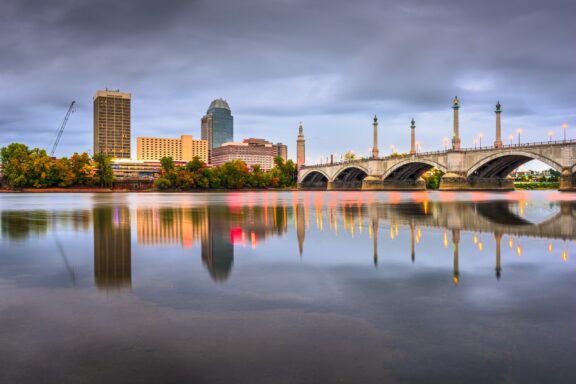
564, 127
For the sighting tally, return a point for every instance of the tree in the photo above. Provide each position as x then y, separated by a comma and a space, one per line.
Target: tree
433, 178
195, 165
105, 174
167, 164
162, 183
15, 161
350, 155
61, 174
82, 168
283, 174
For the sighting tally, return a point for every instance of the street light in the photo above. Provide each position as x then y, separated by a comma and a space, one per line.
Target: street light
564, 127
519, 131
475, 141
511, 137
446, 141
480, 139
550, 134
417, 147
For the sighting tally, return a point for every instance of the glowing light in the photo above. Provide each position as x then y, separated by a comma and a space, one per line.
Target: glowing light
510, 243
480, 247
445, 239
475, 239
519, 251
391, 233
550, 248
564, 256
456, 280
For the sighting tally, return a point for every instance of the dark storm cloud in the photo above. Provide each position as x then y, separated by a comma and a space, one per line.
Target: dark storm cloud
332, 64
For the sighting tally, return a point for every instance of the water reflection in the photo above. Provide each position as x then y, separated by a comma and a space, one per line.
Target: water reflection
241, 222
112, 248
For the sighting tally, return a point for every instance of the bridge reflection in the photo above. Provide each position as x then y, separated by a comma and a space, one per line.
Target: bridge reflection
218, 229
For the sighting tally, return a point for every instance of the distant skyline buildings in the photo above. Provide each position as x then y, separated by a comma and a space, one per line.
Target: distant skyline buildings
217, 126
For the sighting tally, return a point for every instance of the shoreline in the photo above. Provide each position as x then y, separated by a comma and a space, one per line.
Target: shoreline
123, 190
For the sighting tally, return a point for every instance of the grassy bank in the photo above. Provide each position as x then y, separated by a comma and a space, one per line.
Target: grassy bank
536, 185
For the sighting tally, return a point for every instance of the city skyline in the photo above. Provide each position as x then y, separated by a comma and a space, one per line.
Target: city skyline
331, 68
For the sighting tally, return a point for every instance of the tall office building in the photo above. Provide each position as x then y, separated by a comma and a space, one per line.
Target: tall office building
112, 123
217, 125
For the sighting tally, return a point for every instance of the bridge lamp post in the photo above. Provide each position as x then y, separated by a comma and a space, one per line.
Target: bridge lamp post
519, 131
550, 134
511, 137
446, 141
564, 127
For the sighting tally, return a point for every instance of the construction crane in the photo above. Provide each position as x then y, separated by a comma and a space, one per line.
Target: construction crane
61, 130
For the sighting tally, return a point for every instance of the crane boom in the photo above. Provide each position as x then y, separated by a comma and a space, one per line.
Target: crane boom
61, 130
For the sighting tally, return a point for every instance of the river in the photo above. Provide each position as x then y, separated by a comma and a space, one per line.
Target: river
288, 287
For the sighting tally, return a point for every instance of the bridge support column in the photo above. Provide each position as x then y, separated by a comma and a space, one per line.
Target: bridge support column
344, 185
456, 182
567, 180
372, 183
453, 182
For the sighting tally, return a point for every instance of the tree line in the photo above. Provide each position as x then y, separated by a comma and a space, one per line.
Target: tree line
232, 175
33, 168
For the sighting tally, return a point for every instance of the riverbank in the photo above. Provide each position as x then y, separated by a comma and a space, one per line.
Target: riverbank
537, 185
124, 190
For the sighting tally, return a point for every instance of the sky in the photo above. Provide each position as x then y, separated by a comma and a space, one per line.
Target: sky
331, 65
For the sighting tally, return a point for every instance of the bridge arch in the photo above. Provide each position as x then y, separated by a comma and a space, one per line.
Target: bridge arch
500, 165
351, 173
411, 169
315, 179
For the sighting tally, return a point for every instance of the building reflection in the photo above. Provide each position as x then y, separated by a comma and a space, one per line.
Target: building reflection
112, 248
217, 229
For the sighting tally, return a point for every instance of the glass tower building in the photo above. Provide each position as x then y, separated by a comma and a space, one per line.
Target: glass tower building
217, 125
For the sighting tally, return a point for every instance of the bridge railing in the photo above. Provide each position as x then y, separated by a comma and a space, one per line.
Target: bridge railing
440, 152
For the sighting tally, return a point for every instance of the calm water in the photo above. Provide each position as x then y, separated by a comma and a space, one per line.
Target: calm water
306, 287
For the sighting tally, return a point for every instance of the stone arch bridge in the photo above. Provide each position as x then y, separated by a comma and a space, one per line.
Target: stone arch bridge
464, 169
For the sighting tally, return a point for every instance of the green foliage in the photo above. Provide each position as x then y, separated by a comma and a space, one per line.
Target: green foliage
105, 174
232, 175
537, 185
167, 164
348, 156
432, 178
162, 183
24, 167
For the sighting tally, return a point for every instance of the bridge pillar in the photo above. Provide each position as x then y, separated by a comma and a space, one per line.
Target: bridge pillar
456, 182
372, 183
452, 181
567, 180
344, 185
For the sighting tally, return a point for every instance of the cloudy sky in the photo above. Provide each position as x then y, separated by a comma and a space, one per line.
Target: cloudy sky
330, 64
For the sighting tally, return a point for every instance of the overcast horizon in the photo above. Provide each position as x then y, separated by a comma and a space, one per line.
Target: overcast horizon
330, 65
